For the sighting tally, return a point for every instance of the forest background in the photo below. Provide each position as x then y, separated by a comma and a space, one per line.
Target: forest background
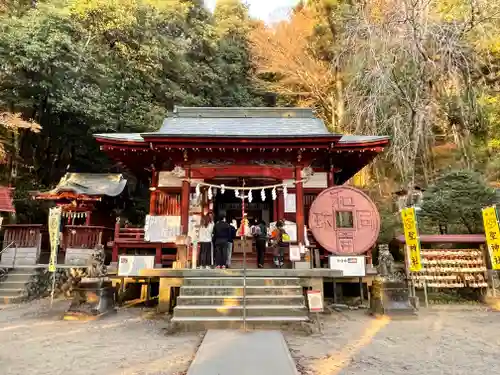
424, 72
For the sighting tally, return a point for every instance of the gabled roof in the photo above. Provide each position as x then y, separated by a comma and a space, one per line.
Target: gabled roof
91, 184
241, 122
6, 204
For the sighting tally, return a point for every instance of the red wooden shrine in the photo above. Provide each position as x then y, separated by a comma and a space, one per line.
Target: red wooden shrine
77, 194
235, 146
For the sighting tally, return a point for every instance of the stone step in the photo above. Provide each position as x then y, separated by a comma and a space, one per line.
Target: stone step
11, 292
19, 277
210, 290
13, 284
238, 300
11, 299
237, 311
228, 322
238, 281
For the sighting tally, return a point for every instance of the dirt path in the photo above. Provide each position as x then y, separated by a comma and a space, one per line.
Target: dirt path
33, 340
443, 340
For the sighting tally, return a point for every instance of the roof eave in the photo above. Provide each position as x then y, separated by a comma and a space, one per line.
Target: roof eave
255, 141
362, 144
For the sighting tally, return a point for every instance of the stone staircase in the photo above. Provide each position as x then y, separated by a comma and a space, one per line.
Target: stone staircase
217, 302
13, 286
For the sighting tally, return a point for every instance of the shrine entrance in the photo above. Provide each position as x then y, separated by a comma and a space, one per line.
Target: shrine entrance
229, 204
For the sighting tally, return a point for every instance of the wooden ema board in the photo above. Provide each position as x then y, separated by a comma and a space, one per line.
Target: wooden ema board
242, 246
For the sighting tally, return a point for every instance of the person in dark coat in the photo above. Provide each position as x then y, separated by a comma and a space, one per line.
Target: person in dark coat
222, 236
230, 246
260, 235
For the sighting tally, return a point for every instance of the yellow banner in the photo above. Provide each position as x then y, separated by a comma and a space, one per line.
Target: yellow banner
492, 232
54, 229
411, 236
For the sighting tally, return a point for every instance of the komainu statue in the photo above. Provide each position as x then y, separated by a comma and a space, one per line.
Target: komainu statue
94, 296
385, 262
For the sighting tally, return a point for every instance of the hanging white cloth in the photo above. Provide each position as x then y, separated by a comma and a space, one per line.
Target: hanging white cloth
162, 228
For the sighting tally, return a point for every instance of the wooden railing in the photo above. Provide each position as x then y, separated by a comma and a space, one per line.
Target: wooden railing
128, 235
23, 235
85, 237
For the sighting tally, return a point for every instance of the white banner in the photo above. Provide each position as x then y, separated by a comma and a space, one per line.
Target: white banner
162, 228
54, 234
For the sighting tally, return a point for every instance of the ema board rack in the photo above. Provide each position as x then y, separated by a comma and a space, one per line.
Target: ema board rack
451, 268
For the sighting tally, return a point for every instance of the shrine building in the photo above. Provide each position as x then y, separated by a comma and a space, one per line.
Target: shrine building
202, 149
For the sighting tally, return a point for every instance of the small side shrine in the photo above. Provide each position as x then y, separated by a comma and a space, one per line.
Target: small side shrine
78, 194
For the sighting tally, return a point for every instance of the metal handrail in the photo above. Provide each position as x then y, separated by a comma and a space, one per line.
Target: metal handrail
15, 252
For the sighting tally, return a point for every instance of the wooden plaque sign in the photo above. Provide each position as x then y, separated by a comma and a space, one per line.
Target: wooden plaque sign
344, 220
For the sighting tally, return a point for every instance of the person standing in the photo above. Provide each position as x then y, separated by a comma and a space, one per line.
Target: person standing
222, 235
280, 240
260, 235
205, 241
230, 245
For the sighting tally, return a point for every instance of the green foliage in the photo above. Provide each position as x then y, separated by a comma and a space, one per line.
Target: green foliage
455, 201
90, 66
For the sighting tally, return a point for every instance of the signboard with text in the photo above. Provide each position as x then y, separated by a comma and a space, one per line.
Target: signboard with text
315, 300
354, 266
492, 232
409, 219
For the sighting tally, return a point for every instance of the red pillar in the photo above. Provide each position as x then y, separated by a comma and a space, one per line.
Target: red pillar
153, 195
158, 255
114, 253
281, 205
87, 218
331, 178
275, 210
299, 203
185, 192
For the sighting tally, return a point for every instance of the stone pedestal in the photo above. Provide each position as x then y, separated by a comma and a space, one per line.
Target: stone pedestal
392, 298
92, 299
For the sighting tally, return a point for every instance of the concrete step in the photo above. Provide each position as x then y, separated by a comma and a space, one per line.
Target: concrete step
237, 311
238, 281
210, 290
238, 300
252, 264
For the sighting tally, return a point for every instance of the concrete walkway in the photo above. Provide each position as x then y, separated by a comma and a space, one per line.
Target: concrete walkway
233, 352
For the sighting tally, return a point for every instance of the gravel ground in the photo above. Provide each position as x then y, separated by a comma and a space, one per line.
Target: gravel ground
443, 340
34, 340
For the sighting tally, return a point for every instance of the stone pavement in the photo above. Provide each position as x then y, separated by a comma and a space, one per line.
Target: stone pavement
225, 352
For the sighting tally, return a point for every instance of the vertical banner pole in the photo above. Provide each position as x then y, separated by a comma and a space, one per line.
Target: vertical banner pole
243, 237
54, 234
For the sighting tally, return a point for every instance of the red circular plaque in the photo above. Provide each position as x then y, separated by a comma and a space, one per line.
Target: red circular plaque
344, 220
